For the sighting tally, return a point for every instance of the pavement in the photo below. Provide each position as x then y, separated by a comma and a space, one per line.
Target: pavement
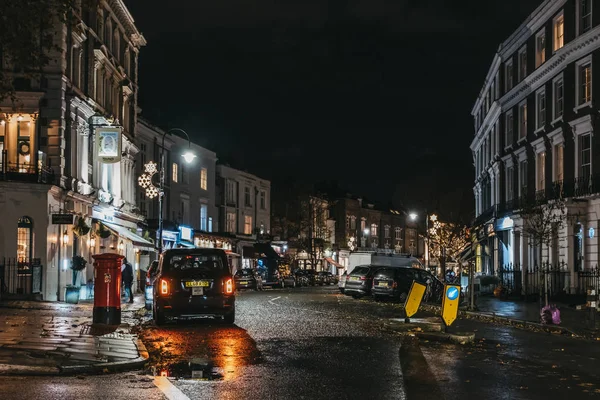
53, 338
575, 322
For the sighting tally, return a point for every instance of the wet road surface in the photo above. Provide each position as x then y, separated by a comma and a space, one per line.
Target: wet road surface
302, 343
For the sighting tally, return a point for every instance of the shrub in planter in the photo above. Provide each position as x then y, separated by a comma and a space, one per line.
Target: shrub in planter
103, 232
81, 228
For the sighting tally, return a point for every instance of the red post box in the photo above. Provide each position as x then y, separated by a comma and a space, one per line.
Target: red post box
107, 289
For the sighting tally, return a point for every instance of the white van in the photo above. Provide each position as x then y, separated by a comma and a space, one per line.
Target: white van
382, 259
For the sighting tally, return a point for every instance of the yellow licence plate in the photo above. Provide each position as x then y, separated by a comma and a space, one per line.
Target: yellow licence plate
197, 284
385, 284
243, 282
354, 278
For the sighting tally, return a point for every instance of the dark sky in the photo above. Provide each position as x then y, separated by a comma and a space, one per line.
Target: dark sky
374, 94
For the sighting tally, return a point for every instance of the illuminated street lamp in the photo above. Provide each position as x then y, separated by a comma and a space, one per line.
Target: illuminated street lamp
65, 238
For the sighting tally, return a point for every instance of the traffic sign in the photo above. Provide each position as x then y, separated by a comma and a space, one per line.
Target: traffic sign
450, 303
413, 301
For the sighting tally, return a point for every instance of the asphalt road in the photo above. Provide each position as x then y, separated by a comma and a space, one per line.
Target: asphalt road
313, 343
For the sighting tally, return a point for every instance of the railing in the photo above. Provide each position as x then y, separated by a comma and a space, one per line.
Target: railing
26, 172
20, 276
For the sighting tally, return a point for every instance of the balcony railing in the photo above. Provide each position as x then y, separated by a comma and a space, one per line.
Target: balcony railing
26, 173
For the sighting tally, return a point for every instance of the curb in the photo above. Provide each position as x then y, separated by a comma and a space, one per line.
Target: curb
485, 317
460, 338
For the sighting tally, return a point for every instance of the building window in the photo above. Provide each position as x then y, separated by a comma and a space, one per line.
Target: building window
203, 179
540, 48
386, 231
522, 121
523, 178
203, 217
373, 229
363, 225
230, 192
247, 198
263, 200
585, 156
24, 239
210, 224
540, 105
508, 129
558, 98
185, 211
585, 16
522, 63
352, 222
510, 186
558, 162
347, 222
541, 171
508, 76
230, 223
398, 231
585, 83
175, 174
558, 28
247, 225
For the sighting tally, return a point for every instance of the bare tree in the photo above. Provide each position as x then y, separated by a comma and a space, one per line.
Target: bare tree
541, 223
447, 240
313, 230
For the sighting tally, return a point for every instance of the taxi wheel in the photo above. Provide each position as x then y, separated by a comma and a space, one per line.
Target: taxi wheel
229, 318
159, 317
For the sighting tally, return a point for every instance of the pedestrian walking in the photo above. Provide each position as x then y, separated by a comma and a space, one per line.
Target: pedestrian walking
127, 278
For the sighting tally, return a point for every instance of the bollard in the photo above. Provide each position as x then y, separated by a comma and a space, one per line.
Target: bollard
592, 304
107, 289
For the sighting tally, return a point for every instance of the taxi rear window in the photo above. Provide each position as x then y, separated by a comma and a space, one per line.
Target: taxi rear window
186, 262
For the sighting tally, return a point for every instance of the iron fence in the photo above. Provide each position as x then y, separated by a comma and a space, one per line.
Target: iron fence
21, 277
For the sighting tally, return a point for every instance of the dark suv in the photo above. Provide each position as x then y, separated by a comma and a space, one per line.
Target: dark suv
193, 283
395, 283
359, 282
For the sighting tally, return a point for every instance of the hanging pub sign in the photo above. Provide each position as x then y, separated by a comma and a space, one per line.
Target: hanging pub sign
108, 144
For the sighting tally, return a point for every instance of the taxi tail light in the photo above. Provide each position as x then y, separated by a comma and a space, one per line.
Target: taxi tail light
164, 286
228, 284
363, 278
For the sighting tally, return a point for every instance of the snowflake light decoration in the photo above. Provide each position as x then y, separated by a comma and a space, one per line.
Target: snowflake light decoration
145, 180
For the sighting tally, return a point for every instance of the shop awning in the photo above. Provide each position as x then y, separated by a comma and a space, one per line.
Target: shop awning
266, 249
334, 263
137, 240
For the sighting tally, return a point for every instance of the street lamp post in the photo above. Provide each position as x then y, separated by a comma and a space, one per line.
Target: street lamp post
145, 180
413, 216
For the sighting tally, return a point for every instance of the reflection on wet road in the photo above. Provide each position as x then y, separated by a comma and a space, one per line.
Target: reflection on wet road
286, 344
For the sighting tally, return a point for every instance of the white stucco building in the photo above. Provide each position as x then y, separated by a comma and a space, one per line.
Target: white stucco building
51, 162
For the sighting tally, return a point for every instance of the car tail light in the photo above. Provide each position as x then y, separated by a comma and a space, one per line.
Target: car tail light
394, 285
363, 278
228, 286
164, 286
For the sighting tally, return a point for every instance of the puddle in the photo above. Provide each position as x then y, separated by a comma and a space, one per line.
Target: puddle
196, 368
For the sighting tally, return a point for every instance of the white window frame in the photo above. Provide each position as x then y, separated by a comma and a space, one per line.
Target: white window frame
540, 53
509, 127
509, 173
230, 221
579, 65
581, 126
398, 233
522, 121
580, 152
522, 72
522, 185
556, 138
558, 79
540, 171
558, 38
247, 225
374, 230
540, 123
508, 83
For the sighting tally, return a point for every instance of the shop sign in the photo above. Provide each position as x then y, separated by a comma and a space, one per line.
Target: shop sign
186, 233
170, 235
62, 219
108, 144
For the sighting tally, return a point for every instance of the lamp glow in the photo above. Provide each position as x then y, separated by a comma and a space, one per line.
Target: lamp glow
366, 231
120, 246
93, 241
188, 156
65, 237
413, 216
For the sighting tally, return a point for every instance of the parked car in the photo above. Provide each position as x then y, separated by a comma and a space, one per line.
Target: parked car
342, 282
247, 278
395, 283
149, 287
193, 283
324, 278
311, 276
360, 281
289, 281
301, 278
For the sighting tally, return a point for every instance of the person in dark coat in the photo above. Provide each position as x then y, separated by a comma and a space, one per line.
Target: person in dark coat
127, 278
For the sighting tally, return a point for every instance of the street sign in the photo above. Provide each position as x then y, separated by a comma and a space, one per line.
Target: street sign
450, 303
62, 219
413, 301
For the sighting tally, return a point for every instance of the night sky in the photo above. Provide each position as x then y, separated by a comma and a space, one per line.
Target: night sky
373, 95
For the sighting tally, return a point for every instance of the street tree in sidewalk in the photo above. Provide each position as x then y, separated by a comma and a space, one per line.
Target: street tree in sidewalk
28, 32
541, 223
314, 234
447, 240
